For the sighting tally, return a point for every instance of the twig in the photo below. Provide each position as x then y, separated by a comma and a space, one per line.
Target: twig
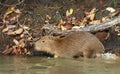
24, 28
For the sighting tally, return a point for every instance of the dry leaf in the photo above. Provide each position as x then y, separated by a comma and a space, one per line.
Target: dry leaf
7, 51
92, 16
22, 35
74, 20
114, 13
110, 9
25, 50
118, 34
17, 11
66, 26
63, 28
76, 27
61, 22
11, 15
105, 19
21, 44
95, 22
69, 12
19, 31
29, 38
5, 30
93, 10
10, 32
26, 28
10, 10
81, 24
11, 26
117, 28
14, 51
16, 41
8, 27
48, 17
28, 53
13, 18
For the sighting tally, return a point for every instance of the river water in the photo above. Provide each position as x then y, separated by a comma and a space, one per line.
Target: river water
38, 65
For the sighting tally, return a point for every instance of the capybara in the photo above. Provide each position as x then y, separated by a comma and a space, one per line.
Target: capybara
74, 44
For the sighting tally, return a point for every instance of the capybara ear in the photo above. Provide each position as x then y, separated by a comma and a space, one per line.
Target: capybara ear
56, 37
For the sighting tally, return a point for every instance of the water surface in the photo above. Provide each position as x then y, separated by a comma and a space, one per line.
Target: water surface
38, 65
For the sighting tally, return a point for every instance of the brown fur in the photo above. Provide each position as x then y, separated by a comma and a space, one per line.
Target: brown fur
72, 45
102, 36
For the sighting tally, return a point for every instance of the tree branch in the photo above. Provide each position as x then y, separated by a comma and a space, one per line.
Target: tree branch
93, 28
102, 26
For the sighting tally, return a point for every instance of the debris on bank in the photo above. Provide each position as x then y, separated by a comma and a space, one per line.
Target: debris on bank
23, 25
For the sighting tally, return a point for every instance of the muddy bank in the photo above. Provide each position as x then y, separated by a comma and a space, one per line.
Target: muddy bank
35, 13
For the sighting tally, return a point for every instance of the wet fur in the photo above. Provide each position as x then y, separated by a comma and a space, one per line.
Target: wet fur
72, 45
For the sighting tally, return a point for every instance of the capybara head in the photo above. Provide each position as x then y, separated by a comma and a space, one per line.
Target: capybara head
47, 43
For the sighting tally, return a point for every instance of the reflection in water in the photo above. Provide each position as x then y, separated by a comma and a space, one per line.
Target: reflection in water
37, 65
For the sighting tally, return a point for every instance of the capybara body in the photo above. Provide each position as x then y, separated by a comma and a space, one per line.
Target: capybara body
74, 44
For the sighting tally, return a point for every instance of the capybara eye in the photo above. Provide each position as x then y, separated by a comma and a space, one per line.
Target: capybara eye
43, 41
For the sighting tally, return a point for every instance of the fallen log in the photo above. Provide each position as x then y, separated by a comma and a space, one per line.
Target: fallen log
102, 26
50, 30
